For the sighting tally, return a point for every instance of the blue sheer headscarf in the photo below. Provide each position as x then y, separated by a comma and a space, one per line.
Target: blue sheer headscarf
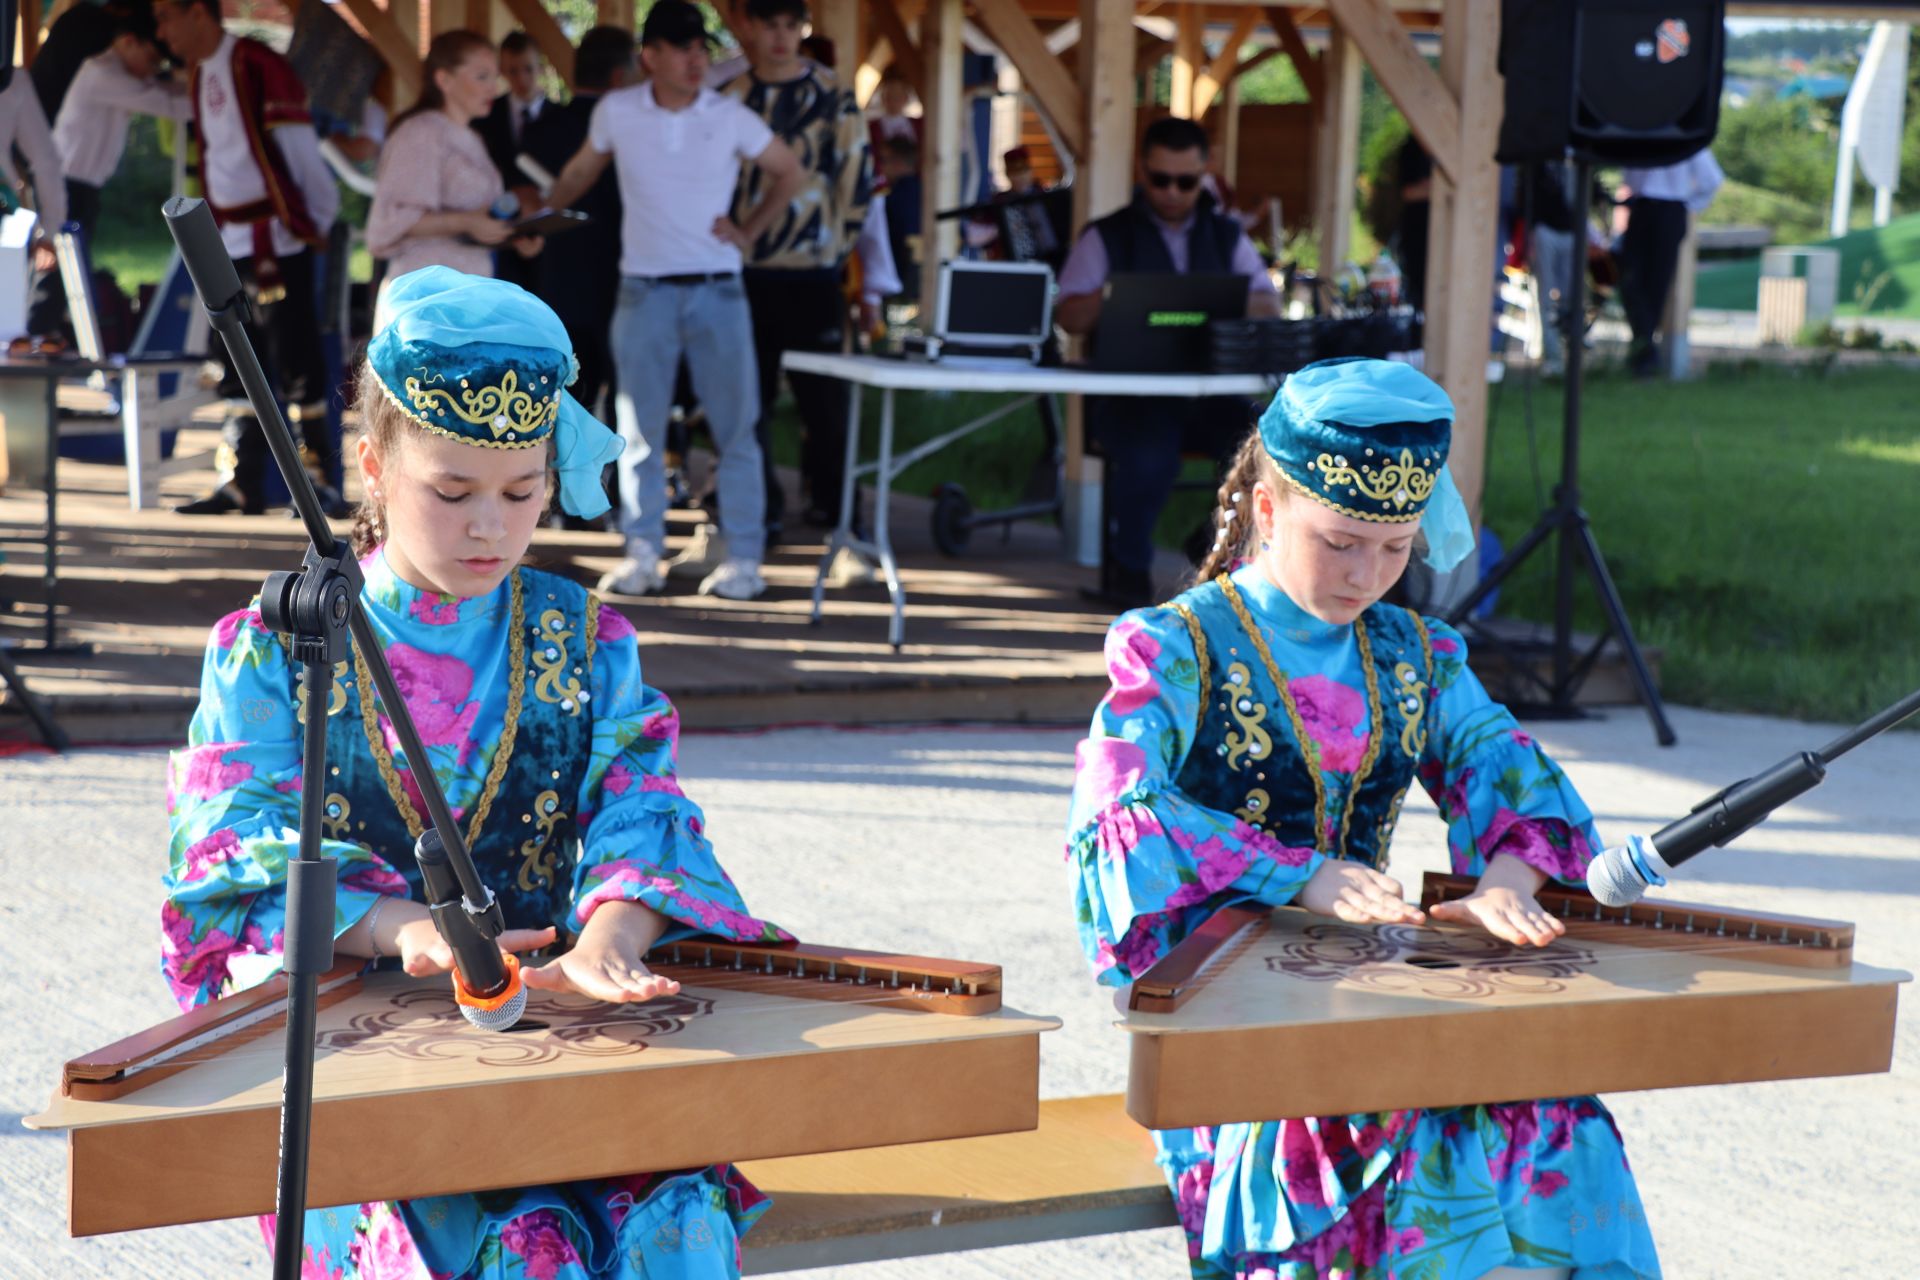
485, 362
1369, 438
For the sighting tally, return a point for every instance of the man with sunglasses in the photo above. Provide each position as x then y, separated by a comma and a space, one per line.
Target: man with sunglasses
1171, 226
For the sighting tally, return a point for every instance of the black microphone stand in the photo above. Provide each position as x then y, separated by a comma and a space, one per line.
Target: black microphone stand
318, 607
1577, 546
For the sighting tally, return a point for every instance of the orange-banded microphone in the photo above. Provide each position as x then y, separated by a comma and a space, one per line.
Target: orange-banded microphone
486, 980
499, 1012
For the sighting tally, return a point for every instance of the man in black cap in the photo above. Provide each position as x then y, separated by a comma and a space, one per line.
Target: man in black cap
677, 147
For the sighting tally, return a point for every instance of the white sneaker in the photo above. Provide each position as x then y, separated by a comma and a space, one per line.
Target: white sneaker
707, 552
737, 579
636, 575
851, 569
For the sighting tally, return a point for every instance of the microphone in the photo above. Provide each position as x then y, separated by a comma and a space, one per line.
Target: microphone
486, 980
1622, 874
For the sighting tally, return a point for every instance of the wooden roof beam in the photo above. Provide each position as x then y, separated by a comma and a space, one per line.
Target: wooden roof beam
1225, 65
906, 54
1432, 112
1044, 75
1304, 63
552, 41
401, 51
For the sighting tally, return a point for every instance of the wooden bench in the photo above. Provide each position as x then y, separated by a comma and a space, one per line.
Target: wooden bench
1087, 1170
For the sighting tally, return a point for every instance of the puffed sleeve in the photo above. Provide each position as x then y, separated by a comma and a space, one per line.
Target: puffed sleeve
1148, 863
1495, 787
642, 839
407, 186
233, 802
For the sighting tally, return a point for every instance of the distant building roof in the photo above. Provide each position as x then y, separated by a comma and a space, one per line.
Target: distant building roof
1817, 87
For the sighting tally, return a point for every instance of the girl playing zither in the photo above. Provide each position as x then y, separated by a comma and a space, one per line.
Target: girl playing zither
1260, 734
556, 758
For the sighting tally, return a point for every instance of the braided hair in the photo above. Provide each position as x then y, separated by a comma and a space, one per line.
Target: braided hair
1235, 536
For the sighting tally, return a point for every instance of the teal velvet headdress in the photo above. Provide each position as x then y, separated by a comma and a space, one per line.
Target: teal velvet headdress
487, 363
1369, 438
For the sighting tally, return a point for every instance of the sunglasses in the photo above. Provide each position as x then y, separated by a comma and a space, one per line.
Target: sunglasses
1161, 181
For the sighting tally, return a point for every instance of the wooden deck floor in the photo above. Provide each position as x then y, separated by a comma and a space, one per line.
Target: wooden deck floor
1001, 635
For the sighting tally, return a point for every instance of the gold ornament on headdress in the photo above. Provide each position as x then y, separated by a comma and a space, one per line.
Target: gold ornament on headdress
1399, 483
510, 413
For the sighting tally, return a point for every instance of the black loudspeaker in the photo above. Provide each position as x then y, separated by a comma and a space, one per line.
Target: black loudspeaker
9, 17
1627, 81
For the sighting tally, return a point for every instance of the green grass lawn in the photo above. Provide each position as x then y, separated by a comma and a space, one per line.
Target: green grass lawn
1760, 522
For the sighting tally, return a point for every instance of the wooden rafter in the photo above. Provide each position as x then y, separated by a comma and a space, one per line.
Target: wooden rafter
539, 24
1432, 112
1044, 76
906, 54
1224, 66
1304, 63
402, 53
614, 13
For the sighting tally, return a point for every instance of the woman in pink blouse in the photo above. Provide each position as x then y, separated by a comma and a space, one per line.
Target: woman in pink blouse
435, 184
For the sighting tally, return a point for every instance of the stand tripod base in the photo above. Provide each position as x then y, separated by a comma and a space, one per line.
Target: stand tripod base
13, 682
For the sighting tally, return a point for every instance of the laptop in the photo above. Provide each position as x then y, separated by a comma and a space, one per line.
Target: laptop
992, 312
1157, 321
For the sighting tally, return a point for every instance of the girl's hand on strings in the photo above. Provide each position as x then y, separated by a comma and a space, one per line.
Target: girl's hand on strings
1503, 904
1357, 894
605, 964
601, 973
423, 951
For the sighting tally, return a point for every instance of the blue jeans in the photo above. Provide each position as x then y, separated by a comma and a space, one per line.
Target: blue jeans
654, 324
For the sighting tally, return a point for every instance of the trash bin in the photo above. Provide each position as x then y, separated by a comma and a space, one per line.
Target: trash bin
1818, 265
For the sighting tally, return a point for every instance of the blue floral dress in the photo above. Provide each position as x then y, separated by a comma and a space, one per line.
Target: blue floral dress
1242, 743
558, 761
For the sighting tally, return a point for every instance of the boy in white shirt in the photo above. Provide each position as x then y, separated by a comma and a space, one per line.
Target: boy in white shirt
677, 148
90, 136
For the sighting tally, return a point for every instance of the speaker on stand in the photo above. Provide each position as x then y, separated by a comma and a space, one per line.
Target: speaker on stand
1633, 82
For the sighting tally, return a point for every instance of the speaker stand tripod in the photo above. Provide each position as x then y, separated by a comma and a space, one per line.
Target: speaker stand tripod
1576, 546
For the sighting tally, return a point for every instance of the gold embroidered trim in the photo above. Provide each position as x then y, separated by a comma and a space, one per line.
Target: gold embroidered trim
1344, 510
539, 862
1254, 811
335, 699
1252, 742
550, 659
1399, 481
1308, 748
336, 817
592, 632
1200, 658
502, 754
439, 430
1377, 728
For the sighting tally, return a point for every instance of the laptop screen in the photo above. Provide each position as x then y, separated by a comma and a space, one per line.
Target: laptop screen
988, 303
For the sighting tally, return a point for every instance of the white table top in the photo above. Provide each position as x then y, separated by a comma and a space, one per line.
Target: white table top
920, 375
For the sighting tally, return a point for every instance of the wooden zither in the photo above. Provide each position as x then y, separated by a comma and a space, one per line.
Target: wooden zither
766, 1051
1262, 1014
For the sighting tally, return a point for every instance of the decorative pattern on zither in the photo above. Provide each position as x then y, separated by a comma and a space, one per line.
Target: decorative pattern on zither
1730, 996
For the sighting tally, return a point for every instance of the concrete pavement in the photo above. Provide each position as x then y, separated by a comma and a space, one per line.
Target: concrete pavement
948, 842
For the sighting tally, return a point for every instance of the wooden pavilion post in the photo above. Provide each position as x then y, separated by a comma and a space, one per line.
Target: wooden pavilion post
615, 13
1104, 183
1189, 60
940, 101
839, 22
1464, 240
1336, 149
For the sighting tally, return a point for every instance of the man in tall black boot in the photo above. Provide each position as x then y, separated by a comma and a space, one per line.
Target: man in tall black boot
274, 199
1171, 227
1660, 201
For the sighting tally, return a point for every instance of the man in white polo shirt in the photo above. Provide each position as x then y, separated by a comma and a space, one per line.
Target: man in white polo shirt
677, 147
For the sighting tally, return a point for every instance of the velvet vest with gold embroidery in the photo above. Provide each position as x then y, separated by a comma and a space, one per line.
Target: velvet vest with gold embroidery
1275, 748
526, 844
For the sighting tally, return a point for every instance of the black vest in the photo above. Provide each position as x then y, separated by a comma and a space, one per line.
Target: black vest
1133, 241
